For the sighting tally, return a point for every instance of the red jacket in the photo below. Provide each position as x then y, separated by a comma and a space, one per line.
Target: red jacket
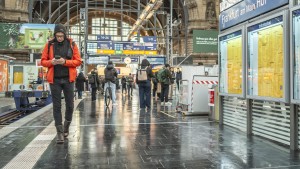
46, 61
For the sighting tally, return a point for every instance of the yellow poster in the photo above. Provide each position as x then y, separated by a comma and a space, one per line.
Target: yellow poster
270, 62
234, 66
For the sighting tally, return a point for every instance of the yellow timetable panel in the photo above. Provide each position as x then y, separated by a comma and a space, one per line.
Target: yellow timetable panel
270, 62
234, 65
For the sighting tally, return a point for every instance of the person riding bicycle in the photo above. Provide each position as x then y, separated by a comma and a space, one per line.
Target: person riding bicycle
111, 74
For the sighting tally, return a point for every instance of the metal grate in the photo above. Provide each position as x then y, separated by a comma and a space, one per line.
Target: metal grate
271, 120
235, 113
298, 126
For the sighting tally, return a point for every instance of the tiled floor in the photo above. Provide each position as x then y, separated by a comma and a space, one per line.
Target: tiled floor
126, 137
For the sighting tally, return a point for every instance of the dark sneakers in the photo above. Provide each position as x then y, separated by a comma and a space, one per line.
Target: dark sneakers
66, 128
60, 134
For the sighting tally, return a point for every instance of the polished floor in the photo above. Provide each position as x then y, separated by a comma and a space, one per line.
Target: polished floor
126, 137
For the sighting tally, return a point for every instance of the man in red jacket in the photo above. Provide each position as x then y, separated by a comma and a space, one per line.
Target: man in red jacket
61, 56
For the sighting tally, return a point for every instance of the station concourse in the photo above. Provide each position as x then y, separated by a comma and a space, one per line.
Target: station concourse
222, 76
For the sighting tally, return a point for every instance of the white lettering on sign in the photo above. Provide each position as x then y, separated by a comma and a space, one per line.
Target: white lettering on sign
235, 13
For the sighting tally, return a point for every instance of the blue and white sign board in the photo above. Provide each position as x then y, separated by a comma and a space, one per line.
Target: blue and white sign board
91, 47
105, 45
94, 59
157, 60
138, 46
150, 39
150, 46
133, 60
246, 10
103, 37
127, 46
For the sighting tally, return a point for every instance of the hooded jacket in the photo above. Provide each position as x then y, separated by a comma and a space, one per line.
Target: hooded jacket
74, 62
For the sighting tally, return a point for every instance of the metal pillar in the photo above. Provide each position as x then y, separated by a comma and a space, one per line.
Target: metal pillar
30, 8
171, 33
294, 127
249, 117
221, 110
49, 12
68, 16
169, 39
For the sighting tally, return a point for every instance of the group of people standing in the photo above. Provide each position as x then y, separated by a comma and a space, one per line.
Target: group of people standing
161, 79
127, 84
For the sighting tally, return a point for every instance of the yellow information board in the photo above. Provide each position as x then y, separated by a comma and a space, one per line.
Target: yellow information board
105, 51
234, 65
270, 62
150, 52
133, 52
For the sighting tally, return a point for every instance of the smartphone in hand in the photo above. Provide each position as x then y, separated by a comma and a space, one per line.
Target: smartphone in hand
57, 57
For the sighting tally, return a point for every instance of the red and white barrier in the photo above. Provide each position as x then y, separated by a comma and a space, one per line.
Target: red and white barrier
204, 82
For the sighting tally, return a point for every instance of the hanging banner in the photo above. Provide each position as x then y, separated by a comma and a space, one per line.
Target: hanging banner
246, 10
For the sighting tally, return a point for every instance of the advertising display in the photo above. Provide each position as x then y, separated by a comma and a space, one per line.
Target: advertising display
3, 75
231, 63
205, 41
266, 58
155, 61
296, 53
25, 36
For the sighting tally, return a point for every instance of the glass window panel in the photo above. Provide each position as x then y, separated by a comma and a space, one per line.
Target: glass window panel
296, 44
266, 58
231, 62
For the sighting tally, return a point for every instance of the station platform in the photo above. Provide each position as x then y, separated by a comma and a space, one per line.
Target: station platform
124, 136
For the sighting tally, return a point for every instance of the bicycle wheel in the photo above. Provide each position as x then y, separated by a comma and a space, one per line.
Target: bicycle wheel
107, 97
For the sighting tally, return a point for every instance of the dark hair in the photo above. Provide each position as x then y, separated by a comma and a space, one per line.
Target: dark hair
167, 65
110, 62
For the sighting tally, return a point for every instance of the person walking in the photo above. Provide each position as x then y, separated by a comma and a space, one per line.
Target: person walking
178, 78
110, 80
143, 79
94, 82
80, 80
130, 84
123, 81
61, 56
164, 76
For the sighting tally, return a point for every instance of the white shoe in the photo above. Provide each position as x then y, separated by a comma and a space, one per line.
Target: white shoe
115, 104
168, 103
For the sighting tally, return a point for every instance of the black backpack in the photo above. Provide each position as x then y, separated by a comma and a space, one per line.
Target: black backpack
91, 79
110, 75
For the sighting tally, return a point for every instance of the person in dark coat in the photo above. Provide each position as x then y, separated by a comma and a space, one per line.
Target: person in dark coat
145, 86
80, 80
123, 81
178, 77
94, 86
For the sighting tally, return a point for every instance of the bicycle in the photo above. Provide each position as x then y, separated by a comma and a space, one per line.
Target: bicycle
108, 95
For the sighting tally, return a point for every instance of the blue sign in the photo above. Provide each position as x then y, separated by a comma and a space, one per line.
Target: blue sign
296, 13
118, 46
232, 35
127, 46
150, 46
98, 59
246, 10
105, 45
149, 39
157, 60
138, 46
267, 23
133, 60
104, 37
